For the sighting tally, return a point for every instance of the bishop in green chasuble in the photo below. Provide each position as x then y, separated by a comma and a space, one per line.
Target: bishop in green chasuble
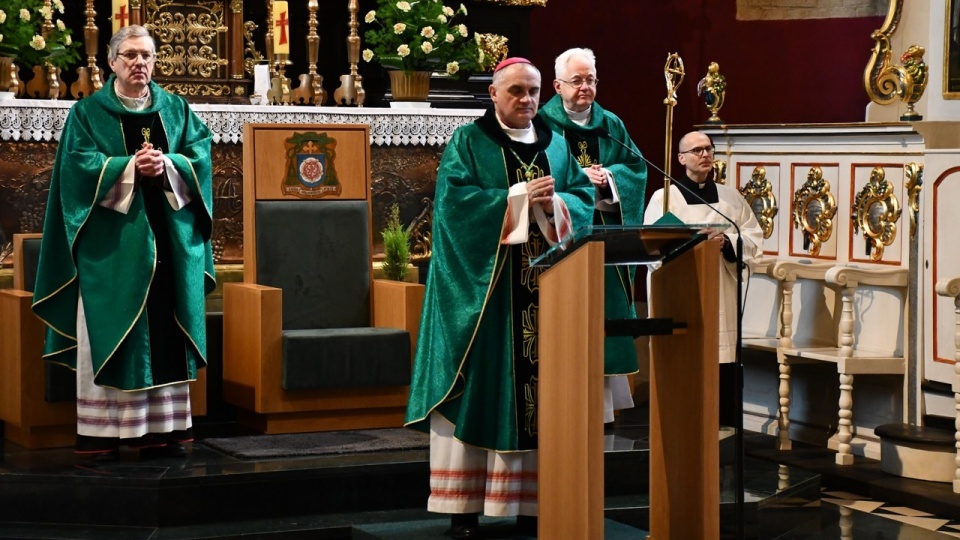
477, 350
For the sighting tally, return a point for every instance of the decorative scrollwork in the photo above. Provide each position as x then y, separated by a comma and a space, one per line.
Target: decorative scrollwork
879, 78
188, 43
813, 209
759, 195
875, 211
885, 82
251, 56
197, 89
914, 173
720, 171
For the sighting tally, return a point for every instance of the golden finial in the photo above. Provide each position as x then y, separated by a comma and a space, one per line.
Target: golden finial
713, 88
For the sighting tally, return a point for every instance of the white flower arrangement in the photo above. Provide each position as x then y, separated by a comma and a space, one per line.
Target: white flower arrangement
419, 36
21, 34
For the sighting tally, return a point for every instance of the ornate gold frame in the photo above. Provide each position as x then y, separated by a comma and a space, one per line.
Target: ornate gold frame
876, 211
820, 228
759, 195
949, 51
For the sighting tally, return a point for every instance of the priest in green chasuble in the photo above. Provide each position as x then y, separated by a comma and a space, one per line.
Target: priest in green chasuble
619, 178
507, 189
126, 259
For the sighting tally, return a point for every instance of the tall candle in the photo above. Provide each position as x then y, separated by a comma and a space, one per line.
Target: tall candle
281, 28
121, 14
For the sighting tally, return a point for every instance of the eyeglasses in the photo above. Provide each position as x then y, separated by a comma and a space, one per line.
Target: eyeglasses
131, 56
699, 151
577, 82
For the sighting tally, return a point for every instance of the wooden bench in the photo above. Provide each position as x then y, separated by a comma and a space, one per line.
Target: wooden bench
863, 343
829, 330
786, 273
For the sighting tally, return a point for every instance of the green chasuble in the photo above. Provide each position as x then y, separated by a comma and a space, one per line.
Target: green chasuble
476, 352
111, 258
629, 173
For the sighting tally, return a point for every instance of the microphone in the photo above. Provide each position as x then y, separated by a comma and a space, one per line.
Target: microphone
738, 360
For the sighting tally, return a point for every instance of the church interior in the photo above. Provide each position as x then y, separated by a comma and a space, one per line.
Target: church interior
837, 120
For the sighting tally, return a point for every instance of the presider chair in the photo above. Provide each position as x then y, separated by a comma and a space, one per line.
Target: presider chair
311, 341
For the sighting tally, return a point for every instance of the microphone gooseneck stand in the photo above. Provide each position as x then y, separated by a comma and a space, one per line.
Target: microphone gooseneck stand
738, 360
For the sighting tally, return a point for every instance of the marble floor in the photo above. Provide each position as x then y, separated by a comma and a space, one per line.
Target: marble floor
54, 494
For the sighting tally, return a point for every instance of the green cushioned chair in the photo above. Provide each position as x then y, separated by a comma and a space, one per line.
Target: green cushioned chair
311, 341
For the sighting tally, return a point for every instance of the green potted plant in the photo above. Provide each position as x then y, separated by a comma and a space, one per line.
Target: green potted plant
396, 247
398, 301
414, 39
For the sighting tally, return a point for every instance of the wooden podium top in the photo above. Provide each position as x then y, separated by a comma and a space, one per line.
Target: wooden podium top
631, 244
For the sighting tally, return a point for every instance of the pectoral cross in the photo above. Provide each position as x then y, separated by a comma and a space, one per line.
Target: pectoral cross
146, 137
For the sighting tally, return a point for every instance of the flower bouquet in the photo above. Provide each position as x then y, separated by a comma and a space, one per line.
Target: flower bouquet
23, 37
422, 35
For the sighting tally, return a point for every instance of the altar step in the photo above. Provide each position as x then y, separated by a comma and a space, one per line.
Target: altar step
918, 452
53, 494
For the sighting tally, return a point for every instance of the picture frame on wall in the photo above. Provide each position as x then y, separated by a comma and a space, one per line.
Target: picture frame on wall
951, 50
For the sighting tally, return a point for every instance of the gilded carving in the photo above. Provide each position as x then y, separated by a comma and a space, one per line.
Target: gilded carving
884, 81
914, 174
720, 171
875, 211
197, 89
251, 56
494, 48
759, 195
813, 209
188, 37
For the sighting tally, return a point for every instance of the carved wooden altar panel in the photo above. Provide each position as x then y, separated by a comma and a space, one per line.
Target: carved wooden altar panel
403, 175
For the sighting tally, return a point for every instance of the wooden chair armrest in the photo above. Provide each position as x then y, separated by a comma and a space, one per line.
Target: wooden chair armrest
852, 276
397, 304
799, 269
252, 349
949, 287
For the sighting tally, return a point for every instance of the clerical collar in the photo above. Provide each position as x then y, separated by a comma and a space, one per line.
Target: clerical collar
133, 103
579, 118
706, 191
526, 135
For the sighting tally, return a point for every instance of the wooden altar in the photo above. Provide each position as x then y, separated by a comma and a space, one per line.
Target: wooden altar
406, 148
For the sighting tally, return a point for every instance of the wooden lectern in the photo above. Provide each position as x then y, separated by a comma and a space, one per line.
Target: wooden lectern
684, 425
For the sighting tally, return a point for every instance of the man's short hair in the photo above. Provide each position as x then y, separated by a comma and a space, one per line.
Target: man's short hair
560, 66
123, 34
